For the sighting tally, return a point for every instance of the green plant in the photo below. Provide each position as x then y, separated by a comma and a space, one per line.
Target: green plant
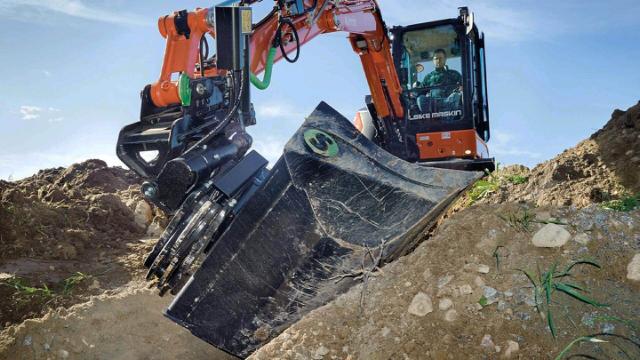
626, 203
482, 188
73, 280
576, 341
517, 179
520, 221
24, 289
599, 338
548, 283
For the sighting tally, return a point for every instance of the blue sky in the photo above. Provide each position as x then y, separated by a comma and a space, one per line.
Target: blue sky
72, 71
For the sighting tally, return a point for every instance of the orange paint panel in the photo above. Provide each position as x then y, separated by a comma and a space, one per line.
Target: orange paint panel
446, 144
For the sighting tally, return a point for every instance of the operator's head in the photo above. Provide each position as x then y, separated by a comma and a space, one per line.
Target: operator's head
439, 58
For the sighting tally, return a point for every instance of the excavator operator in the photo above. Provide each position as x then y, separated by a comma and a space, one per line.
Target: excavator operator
443, 83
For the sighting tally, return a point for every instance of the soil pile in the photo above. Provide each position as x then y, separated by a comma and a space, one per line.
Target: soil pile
602, 168
68, 233
464, 293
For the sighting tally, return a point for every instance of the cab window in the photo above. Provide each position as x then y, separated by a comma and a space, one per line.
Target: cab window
431, 60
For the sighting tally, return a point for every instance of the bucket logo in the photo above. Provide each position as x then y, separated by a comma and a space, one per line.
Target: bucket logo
321, 143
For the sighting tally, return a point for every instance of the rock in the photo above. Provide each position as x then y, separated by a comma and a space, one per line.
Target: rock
320, 352
154, 230
445, 304
143, 214
607, 328
443, 281
487, 342
451, 315
633, 269
551, 235
490, 294
481, 268
64, 354
582, 238
426, 275
28, 340
479, 282
385, 331
420, 305
502, 305
466, 289
512, 348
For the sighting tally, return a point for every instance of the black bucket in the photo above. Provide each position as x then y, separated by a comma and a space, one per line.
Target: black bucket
333, 201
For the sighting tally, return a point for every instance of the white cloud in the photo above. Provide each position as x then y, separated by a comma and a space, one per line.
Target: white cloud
40, 10
29, 112
277, 110
506, 144
46, 73
502, 21
271, 148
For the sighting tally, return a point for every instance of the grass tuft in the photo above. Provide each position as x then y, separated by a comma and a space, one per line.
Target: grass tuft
24, 289
517, 179
546, 284
71, 282
626, 203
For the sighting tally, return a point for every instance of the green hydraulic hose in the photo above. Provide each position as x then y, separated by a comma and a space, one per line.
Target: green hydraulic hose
264, 83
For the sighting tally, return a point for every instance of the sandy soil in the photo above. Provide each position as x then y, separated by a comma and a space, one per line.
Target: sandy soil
126, 324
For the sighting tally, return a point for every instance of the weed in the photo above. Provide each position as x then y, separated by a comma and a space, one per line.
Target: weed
496, 254
517, 179
626, 203
73, 280
576, 341
548, 283
599, 338
24, 289
520, 221
483, 188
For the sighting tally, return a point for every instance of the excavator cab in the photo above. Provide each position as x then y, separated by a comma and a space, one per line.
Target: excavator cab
442, 71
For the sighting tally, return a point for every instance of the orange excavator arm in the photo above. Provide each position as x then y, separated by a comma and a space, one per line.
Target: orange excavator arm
360, 18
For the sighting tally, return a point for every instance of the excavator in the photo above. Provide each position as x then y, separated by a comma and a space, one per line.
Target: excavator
250, 249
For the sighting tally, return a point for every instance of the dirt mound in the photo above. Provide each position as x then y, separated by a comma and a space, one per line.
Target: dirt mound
461, 295
128, 325
64, 231
601, 168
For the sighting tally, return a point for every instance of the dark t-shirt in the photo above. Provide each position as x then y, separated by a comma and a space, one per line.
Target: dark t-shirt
444, 80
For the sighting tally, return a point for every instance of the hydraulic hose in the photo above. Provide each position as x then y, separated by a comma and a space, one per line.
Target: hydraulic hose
264, 83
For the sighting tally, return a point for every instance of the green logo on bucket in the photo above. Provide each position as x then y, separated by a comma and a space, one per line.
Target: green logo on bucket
321, 143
